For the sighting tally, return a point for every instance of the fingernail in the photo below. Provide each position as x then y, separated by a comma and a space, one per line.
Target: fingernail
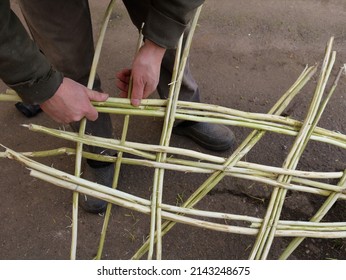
136, 102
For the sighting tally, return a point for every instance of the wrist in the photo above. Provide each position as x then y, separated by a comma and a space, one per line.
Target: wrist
154, 48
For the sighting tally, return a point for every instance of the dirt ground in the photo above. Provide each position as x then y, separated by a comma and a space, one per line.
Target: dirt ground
245, 55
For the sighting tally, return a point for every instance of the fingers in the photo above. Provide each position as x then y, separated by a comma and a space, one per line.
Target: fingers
137, 92
97, 96
143, 84
148, 90
71, 103
124, 87
91, 114
123, 94
124, 75
123, 81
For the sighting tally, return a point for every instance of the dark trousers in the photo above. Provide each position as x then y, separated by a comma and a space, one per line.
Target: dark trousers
63, 31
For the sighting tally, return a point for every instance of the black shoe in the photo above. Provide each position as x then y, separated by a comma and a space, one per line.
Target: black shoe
102, 175
28, 110
215, 137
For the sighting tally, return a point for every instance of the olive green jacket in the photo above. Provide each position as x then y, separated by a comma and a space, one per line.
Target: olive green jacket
25, 69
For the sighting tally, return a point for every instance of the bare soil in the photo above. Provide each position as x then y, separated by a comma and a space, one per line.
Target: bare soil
245, 55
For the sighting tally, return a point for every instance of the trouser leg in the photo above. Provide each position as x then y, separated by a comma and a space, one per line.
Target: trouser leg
189, 89
62, 29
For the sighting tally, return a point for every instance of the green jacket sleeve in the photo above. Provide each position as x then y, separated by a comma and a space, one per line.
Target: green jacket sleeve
167, 20
22, 66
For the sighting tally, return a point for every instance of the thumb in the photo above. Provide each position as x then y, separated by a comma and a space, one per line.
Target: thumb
97, 96
91, 114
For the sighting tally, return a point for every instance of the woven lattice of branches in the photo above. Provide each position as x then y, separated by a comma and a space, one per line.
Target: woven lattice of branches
164, 157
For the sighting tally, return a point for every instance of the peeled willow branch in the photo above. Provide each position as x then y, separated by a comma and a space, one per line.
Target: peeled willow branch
248, 173
200, 166
108, 143
267, 233
337, 230
144, 150
289, 127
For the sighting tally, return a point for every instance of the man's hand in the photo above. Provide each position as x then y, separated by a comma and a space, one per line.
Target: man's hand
145, 73
71, 103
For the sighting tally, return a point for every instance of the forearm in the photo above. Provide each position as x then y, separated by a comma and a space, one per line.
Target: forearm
22, 66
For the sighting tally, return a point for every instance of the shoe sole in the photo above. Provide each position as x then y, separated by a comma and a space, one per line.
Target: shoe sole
218, 148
